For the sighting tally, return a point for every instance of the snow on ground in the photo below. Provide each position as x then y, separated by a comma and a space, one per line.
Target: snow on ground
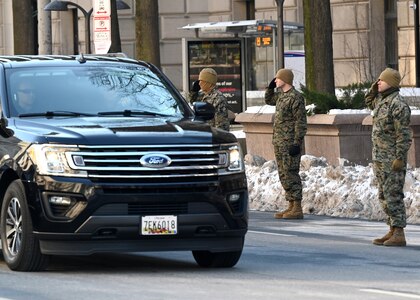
342, 191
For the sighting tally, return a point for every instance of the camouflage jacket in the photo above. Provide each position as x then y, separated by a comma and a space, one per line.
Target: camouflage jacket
391, 134
218, 100
290, 118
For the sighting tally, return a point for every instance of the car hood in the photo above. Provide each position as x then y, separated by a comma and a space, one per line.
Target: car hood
117, 131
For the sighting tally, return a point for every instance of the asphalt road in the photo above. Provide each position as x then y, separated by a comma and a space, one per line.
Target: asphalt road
315, 258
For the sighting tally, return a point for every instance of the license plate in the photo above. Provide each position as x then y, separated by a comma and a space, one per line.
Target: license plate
159, 225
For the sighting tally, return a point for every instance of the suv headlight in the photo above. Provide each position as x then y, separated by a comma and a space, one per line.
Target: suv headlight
52, 160
232, 159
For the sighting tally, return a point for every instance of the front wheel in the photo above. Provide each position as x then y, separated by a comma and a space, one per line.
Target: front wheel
209, 259
20, 247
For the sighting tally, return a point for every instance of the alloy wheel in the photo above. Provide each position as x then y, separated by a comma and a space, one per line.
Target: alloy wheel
14, 226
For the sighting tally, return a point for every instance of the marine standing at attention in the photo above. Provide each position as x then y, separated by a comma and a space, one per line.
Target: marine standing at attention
391, 139
288, 133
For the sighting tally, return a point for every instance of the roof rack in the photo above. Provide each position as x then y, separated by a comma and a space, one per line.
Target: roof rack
109, 56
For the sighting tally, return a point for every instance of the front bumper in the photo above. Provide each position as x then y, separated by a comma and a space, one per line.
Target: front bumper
110, 218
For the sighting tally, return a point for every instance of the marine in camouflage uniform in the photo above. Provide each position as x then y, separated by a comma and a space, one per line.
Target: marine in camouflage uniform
391, 138
288, 133
205, 90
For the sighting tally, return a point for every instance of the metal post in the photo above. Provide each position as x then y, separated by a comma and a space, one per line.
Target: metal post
87, 32
416, 40
280, 35
275, 60
87, 15
59, 5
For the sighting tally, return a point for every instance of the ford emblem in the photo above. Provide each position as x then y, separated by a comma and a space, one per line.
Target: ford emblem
155, 160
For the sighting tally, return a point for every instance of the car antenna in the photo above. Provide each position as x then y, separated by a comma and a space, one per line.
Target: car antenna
81, 58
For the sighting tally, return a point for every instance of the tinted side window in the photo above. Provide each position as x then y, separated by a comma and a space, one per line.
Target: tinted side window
90, 90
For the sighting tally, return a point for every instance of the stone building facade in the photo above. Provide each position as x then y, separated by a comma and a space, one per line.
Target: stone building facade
367, 34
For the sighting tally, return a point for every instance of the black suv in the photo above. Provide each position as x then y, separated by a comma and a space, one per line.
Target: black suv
103, 154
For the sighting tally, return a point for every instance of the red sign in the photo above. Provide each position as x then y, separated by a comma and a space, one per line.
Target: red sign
101, 7
102, 26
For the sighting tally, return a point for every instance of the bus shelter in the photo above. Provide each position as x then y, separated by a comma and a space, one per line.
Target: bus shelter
243, 53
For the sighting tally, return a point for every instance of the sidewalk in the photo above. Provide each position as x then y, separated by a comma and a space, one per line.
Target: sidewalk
336, 228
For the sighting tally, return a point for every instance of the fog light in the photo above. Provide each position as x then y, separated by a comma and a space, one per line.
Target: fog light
234, 197
59, 200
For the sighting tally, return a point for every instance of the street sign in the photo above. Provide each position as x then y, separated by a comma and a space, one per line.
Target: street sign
102, 34
101, 7
102, 26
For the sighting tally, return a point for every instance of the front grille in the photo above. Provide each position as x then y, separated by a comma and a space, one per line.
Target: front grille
124, 161
237, 207
166, 188
158, 209
161, 208
59, 210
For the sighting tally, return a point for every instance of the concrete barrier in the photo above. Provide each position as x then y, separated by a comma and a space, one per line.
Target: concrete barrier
335, 137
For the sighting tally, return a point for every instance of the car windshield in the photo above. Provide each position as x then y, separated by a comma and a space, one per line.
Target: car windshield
83, 90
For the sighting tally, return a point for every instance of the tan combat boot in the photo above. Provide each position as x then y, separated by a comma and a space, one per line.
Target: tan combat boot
280, 214
380, 241
397, 239
296, 212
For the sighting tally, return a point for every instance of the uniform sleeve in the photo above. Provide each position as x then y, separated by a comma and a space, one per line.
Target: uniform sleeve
401, 113
299, 112
193, 97
269, 97
370, 99
221, 117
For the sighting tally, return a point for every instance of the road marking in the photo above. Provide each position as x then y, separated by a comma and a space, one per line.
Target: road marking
270, 233
405, 295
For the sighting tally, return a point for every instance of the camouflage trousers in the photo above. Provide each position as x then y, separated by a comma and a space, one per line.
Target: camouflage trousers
288, 169
390, 193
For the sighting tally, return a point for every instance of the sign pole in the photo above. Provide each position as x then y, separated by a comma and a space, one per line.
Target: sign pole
280, 36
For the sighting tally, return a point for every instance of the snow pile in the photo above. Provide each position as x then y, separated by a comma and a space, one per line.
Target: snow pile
343, 191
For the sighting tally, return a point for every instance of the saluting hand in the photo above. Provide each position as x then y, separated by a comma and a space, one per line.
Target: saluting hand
272, 84
195, 86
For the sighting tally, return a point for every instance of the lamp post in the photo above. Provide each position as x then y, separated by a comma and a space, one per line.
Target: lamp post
280, 35
58, 5
415, 6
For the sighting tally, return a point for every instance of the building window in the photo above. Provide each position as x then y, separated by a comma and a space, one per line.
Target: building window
391, 34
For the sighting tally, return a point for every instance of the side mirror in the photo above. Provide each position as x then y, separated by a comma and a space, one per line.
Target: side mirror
4, 131
204, 110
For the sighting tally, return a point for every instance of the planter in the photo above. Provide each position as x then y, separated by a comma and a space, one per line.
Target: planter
335, 137
258, 130
341, 136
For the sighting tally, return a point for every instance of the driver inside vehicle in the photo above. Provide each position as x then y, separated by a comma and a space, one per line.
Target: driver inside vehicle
24, 97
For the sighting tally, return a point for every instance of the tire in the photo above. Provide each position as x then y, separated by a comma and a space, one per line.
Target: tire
21, 250
207, 259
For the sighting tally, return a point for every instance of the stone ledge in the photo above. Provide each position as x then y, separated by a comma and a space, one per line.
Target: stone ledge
335, 137
257, 117
341, 119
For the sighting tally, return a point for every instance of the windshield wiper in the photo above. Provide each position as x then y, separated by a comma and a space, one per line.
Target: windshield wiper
59, 113
130, 113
